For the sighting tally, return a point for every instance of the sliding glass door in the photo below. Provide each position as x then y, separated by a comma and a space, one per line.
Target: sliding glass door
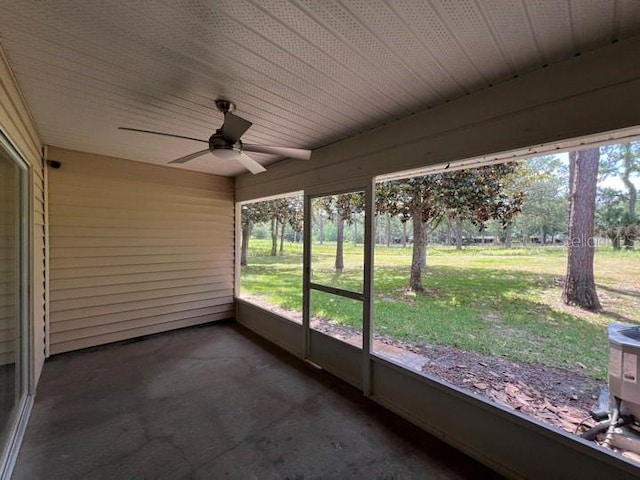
14, 282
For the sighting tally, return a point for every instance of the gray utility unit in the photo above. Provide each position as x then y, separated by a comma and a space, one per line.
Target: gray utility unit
624, 349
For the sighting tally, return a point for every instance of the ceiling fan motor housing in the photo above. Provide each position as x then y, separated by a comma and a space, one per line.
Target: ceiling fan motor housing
225, 106
218, 144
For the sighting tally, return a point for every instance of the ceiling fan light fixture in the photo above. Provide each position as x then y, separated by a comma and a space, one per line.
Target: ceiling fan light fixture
226, 153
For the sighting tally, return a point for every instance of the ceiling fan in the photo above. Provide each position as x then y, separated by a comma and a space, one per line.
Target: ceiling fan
225, 142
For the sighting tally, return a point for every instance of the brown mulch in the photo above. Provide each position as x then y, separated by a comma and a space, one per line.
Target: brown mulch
559, 397
554, 396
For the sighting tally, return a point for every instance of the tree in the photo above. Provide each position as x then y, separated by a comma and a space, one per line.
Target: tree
275, 214
296, 216
545, 207
251, 214
282, 212
416, 199
579, 285
623, 161
611, 216
475, 195
341, 208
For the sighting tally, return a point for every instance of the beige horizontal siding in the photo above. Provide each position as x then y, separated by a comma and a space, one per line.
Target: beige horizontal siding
135, 249
165, 299
17, 123
129, 288
139, 261
159, 325
178, 269
16, 119
132, 316
7, 331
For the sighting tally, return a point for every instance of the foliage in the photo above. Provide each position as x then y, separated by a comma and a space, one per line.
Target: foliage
287, 211
479, 194
613, 219
545, 208
252, 213
280, 212
622, 161
476, 195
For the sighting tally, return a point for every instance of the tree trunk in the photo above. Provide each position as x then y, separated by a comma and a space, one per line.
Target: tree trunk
404, 234
339, 264
244, 244
615, 241
631, 188
282, 239
321, 239
274, 237
629, 240
388, 232
458, 232
579, 286
415, 280
423, 256
508, 235
355, 232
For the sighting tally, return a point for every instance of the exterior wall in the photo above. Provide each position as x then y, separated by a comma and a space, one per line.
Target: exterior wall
135, 249
17, 124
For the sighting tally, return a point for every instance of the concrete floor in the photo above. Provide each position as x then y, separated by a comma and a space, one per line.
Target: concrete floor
217, 402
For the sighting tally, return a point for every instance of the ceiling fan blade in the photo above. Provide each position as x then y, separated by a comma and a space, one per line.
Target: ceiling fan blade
250, 164
162, 133
298, 153
191, 156
234, 127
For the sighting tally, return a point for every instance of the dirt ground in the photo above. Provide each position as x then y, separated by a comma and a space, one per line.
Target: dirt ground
559, 397
555, 396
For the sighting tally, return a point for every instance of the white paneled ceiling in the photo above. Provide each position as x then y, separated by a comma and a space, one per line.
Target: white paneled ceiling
307, 73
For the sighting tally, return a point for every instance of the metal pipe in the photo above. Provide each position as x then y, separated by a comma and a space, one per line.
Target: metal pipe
612, 426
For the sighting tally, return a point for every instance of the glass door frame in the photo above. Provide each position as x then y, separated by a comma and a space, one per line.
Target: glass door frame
25, 377
366, 297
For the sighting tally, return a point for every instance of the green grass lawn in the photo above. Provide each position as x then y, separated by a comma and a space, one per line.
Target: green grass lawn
489, 300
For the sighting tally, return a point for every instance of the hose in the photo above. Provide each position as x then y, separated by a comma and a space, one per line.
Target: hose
596, 430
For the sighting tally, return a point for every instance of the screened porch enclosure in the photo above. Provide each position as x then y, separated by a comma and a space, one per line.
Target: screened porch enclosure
114, 244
